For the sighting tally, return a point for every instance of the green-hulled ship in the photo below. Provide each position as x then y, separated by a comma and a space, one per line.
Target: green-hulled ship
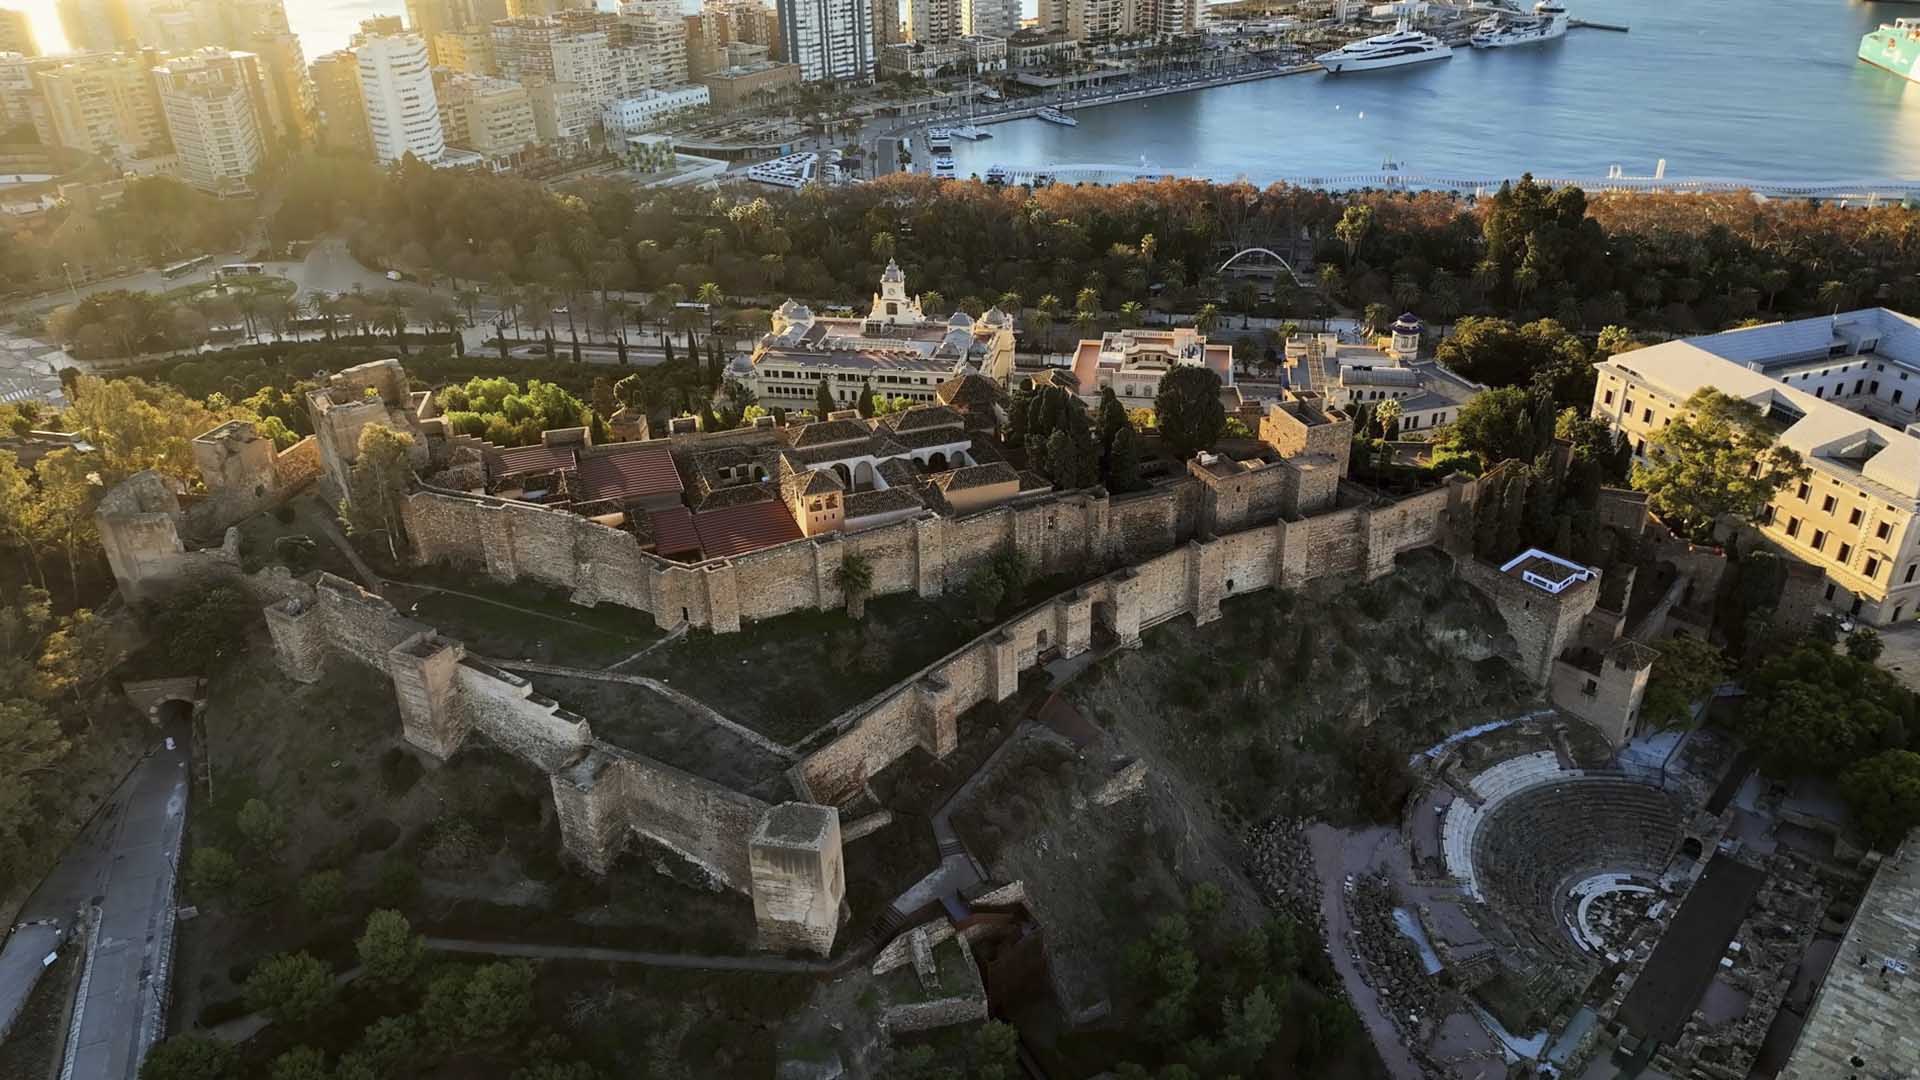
1895, 47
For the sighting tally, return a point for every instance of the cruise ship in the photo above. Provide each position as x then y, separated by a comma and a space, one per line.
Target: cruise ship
1400, 46
1895, 48
1549, 22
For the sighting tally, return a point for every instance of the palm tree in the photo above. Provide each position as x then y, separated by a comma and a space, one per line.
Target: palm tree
1834, 295
1044, 311
1130, 313
711, 296
854, 575
1206, 318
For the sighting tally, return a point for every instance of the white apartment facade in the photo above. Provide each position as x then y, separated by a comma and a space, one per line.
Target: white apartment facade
211, 99
652, 108
1843, 391
830, 40
403, 111
989, 18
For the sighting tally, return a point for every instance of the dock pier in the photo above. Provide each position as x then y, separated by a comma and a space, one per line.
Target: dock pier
1589, 25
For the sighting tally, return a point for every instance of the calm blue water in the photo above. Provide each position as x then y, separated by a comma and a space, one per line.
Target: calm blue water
1768, 89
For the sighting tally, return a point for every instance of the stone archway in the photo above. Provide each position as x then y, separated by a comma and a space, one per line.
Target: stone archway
846, 478
863, 476
163, 700
937, 461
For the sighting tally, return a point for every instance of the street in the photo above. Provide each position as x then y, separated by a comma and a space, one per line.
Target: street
124, 863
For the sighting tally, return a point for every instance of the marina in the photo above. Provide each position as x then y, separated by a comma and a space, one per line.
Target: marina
1498, 112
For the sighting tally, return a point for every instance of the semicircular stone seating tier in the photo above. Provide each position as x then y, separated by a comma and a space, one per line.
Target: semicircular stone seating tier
1537, 825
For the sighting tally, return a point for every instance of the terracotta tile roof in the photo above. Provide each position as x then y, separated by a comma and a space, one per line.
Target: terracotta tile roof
1033, 481
522, 460
673, 532
973, 476
868, 503
737, 495
630, 471
925, 416
824, 432
736, 530
964, 390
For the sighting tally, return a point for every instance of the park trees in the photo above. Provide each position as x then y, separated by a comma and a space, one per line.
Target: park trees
1188, 410
1884, 794
1814, 710
1499, 425
390, 952
292, 988
1716, 459
1686, 671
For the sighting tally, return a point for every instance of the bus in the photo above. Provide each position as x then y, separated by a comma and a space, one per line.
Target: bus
181, 269
239, 270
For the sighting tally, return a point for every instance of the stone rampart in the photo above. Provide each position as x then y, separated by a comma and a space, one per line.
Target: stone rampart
244, 475
602, 794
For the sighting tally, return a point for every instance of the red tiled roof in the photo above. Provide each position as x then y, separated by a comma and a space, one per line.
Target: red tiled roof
519, 460
630, 471
673, 531
736, 530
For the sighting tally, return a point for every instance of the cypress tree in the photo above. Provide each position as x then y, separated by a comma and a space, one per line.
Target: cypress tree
822, 399
865, 404
1123, 462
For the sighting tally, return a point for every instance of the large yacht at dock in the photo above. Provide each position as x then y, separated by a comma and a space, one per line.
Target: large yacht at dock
1396, 48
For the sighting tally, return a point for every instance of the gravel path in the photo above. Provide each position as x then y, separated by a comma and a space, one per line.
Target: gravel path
1337, 853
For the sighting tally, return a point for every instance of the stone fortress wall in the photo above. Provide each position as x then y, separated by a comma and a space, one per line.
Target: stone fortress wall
602, 794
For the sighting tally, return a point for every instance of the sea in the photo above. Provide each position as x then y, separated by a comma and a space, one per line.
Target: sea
1761, 89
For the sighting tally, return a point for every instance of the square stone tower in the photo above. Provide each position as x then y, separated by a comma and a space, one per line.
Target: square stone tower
799, 878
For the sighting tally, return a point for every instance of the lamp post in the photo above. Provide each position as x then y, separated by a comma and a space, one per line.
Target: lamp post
67, 268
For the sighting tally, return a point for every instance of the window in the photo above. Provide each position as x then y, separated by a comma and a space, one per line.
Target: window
1826, 505
1646, 416
1640, 446
1829, 590
1819, 539
1609, 398
1766, 516
1793, 526
1857, 384
1873, 387
1872, 569
1854, 517
1804, 489
1820, 392
1845, 550
1882, 531
1627, 406
1910, 568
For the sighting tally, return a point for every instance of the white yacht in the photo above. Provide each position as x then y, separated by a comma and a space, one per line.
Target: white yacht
1055, 116
1397, 47
939, 140
943, 168
1549, 21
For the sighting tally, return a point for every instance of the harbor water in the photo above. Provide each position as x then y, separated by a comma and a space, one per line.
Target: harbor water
1767, 89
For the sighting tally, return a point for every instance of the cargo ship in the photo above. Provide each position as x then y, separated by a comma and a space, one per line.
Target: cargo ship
1895, 47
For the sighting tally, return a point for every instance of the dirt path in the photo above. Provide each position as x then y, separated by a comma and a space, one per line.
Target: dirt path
632, 956
1337, 853
698, 708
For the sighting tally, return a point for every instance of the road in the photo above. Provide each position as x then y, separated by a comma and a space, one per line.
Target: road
124, 863
329, 267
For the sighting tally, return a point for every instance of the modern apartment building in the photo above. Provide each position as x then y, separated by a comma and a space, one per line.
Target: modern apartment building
653, 108
933, 22
293, 108
887, 29
342, 111
651, 45
989, 18
20, 98
1103, 20
830, 40
214, 103
1844, 392
468, 50
396, 86
16, 33
543, 49
491, 117
96, 25
104, 103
